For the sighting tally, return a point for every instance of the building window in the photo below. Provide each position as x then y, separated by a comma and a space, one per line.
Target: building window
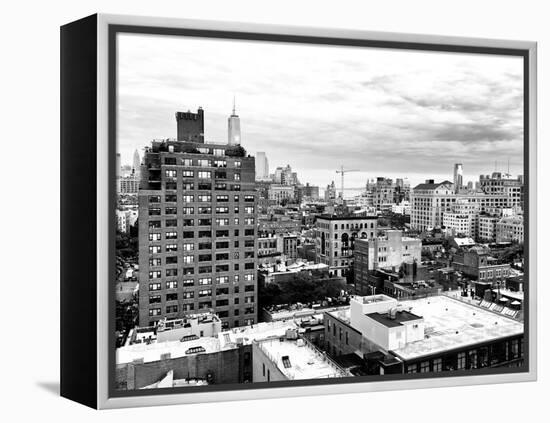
172, 285
154, 299
437, 364
172, 308
154, 211
205, 174
154, 249
461, 361
472, 359
412, 368
515, 348
155, 262
154, 312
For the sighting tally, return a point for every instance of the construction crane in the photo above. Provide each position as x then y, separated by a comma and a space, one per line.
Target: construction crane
342, 172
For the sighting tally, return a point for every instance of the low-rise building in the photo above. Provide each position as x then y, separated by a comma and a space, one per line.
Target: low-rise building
192, 326
388, 251
291, 358
478, 264
510, 229
432, 334
224, 358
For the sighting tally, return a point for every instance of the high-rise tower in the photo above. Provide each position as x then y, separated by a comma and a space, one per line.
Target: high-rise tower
262, 166
136, 163
458, 182
234, 128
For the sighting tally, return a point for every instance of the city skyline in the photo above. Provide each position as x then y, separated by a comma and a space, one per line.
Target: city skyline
436, 108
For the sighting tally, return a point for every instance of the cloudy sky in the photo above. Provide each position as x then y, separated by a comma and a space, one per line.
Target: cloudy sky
391, 113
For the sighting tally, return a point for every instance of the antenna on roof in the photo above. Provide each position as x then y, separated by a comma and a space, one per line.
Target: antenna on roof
233, 104
508, 170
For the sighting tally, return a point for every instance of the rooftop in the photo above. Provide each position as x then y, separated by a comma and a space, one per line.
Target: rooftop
453, 324
335, 217
297, 359
159, 350
400, 317
247, 334
432, 185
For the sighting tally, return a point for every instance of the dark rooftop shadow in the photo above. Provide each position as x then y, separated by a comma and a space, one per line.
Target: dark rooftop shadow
51, 387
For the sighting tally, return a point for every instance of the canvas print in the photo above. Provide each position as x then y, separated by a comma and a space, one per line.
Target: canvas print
292, 212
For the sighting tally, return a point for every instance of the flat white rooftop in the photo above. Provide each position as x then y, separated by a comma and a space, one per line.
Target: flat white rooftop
449, 324
304, 361
154, 351
247, 334
454, 324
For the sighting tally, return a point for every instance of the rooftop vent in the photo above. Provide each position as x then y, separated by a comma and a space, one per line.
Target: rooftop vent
286, 361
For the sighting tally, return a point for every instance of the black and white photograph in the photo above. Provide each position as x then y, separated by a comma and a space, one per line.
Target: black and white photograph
300, 212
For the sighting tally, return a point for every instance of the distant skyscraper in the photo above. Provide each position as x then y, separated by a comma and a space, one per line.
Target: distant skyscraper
458, 176
234, 128
137, 163
262, 165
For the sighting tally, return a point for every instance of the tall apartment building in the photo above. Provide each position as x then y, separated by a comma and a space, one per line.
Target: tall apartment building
197, 230
335, 240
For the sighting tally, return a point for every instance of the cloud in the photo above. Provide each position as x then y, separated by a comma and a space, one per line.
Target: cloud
386, 112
